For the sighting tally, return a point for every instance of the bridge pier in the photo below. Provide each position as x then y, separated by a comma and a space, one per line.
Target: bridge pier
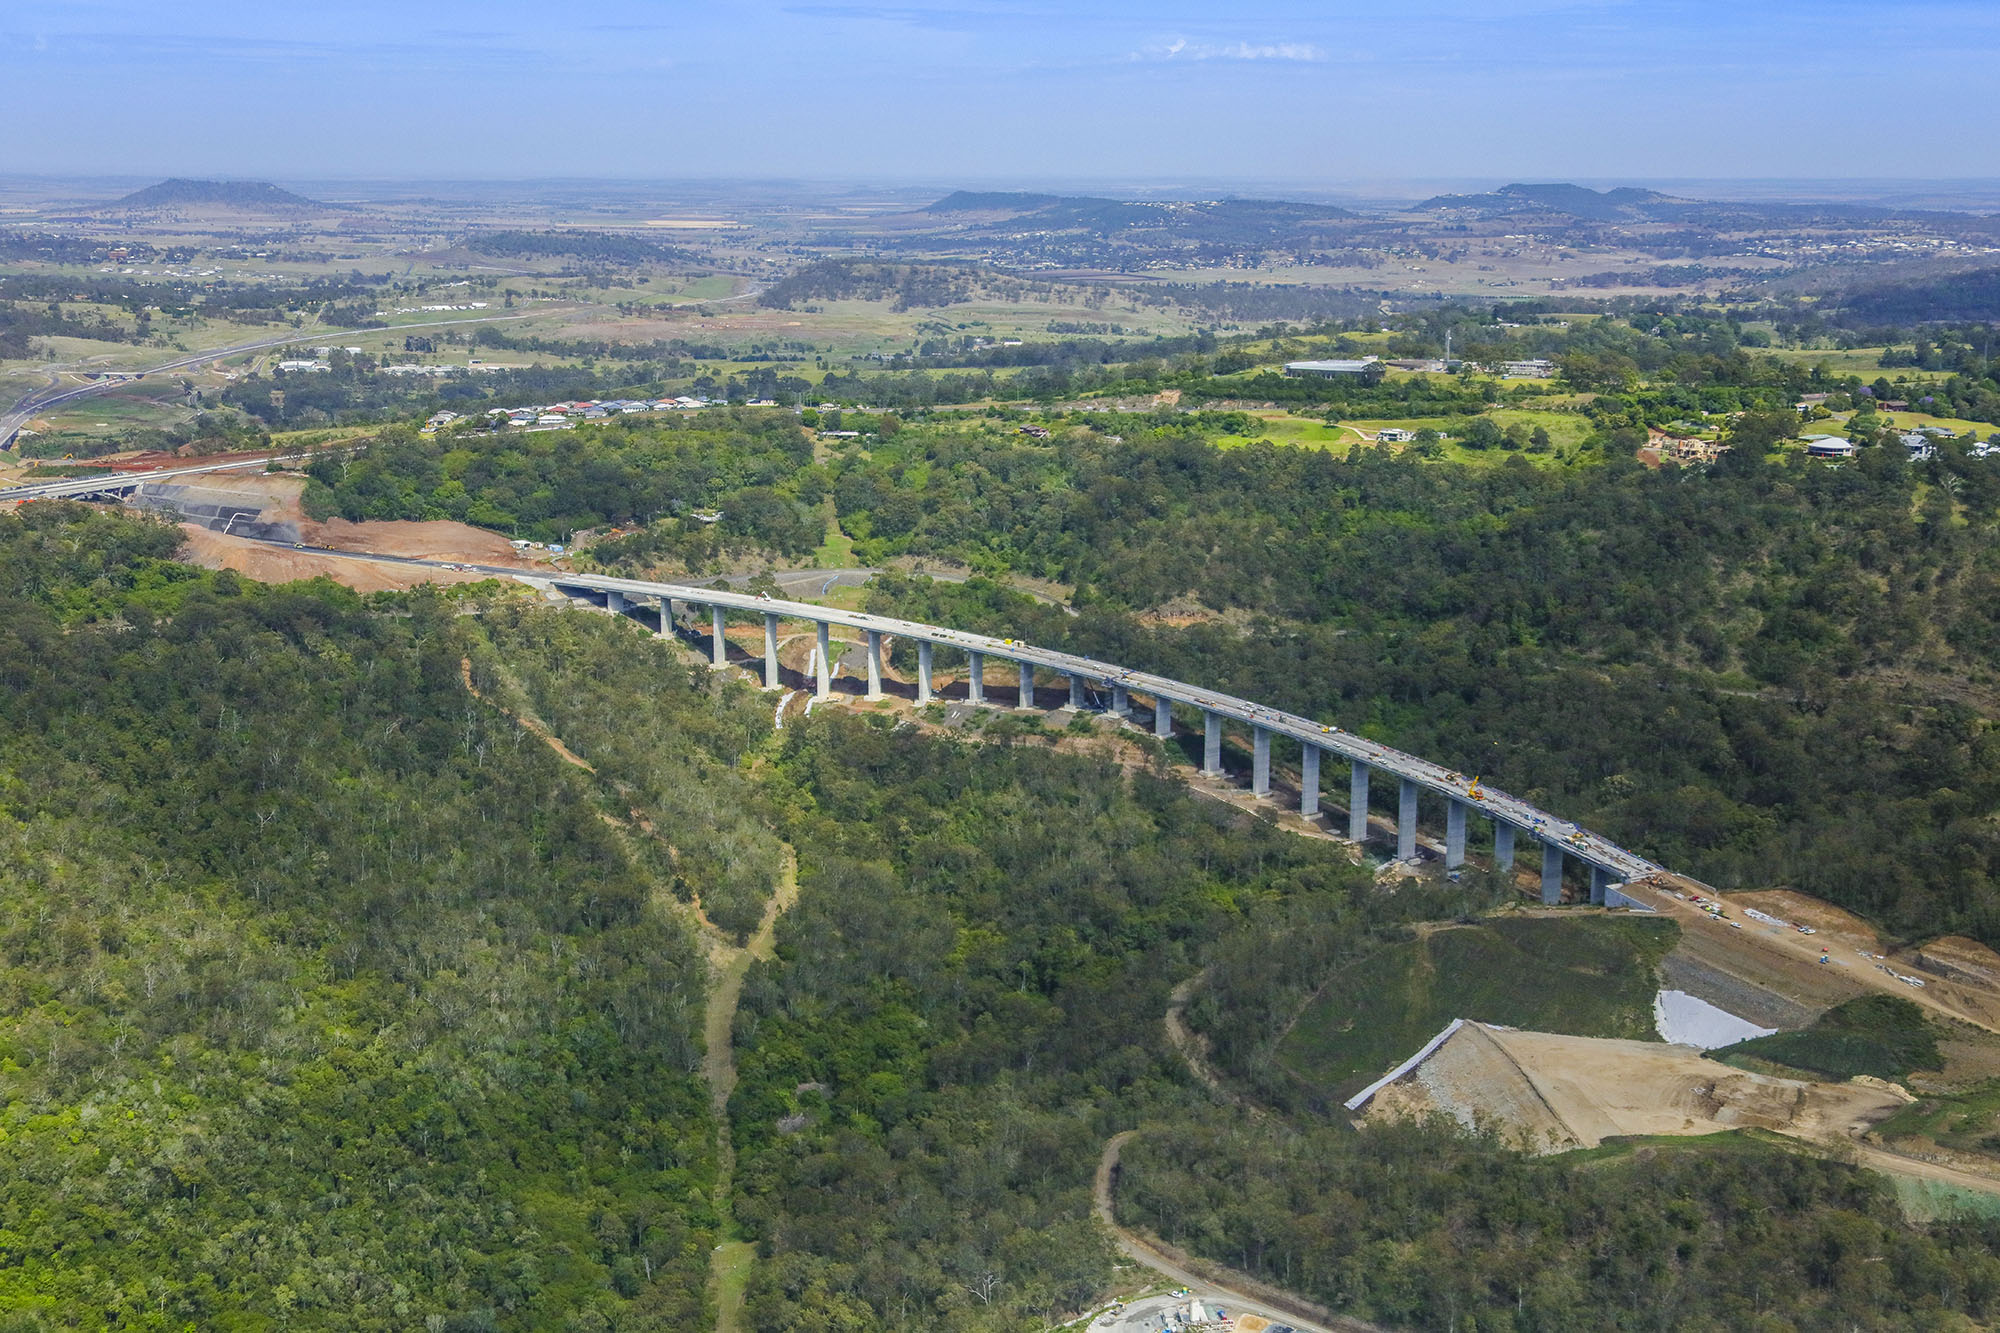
923, 672
1260, 762
1600, 880
823, 662
721, 644
874, 664
1026, 698
1406, 821
1121, 701
1552, 873
1163, 717
1357, 801
975, 677
1309, 781
1075, 693
770, 651
1503, 847
614, 601
1454, 835
666, 617
1211, 745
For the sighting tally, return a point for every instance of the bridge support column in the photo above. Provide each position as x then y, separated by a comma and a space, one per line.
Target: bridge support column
666, 617
1454, 835
1076, 694
770, 651
1027, 695
1260, 763
1600, 880
1121, 701
823, 662
1163, 717
614, 602
1552, 873
923, 672
1211, 746
1406, 821
1309, 781
874, 664
1357, 801
721, 644
975, 677
1503, 847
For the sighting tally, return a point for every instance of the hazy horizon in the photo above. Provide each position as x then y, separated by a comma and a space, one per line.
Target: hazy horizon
1004, 90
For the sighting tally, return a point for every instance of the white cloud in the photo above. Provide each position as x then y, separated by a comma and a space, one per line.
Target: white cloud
1180, 48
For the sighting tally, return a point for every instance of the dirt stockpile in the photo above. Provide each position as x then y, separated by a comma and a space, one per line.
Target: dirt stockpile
279, 564
278, 493
1552, 1093
425, 541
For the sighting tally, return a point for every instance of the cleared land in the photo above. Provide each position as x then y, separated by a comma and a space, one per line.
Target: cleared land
1552, 1093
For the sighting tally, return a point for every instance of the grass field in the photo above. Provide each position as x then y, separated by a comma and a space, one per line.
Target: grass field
1580, 976
1566, 431
1863, 361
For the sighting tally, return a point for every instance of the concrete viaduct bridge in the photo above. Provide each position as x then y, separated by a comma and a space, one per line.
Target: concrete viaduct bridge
1511, 817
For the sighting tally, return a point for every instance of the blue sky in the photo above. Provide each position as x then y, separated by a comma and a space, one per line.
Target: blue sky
948, 91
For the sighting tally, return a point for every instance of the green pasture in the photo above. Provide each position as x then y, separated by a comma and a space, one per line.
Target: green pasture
1583, 976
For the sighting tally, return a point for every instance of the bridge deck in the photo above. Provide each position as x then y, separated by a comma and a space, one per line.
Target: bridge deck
1582, 844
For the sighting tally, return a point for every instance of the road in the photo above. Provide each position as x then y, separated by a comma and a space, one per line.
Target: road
37, 401
1238, 1293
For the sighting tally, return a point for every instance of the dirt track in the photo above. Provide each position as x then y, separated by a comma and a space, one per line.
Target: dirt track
1208, 1280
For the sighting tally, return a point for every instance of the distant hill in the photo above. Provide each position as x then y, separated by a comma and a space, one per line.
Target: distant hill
1575, 200
252, 196
991, 201
1213, 221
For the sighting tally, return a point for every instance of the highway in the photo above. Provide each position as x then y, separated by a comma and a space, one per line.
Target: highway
124, 481
1578, 843
40, 400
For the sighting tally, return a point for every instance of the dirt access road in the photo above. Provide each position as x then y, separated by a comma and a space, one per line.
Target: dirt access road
1785, 961
1212, 1282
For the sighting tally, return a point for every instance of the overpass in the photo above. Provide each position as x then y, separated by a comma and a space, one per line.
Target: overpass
1367, 760
120, 484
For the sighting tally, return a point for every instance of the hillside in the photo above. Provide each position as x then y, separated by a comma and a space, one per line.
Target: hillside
246, 196
328, 1001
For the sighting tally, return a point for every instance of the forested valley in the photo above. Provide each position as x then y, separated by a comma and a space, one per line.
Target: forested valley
341, 998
